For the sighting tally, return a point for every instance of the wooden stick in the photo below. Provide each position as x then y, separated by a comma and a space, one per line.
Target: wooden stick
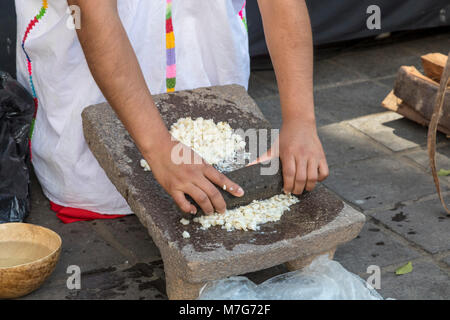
432, 129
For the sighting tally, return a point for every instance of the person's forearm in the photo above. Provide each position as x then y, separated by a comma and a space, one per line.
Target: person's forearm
289, 39
116, 70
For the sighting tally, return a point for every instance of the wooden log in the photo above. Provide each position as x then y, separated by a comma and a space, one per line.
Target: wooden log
419, 92
433, 65
393, 103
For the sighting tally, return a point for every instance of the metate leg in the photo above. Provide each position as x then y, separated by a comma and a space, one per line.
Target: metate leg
178, 288
302, 262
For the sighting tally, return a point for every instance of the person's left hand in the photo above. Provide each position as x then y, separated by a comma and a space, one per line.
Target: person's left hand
302, 157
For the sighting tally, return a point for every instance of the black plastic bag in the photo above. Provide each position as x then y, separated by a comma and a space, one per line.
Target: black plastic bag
16, 114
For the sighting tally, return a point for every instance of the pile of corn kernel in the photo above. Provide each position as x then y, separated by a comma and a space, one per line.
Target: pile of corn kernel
249, 217
215, 143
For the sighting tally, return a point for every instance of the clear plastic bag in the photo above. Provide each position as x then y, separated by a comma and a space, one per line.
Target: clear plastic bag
16, 114
323, 279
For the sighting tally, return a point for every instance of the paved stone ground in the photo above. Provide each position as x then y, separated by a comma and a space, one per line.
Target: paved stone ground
378, 164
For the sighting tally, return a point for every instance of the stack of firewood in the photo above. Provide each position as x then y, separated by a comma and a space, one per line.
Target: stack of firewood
414, 94
425, 99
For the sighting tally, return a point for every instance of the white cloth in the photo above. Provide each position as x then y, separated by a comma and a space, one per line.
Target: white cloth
211, 46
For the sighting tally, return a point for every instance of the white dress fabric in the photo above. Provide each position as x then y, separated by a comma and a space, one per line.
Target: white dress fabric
211, 47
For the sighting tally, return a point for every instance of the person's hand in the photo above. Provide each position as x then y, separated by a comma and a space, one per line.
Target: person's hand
196, 180
302, 157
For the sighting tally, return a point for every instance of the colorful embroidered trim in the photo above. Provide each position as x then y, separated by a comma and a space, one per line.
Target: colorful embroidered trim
241, 14
171, 69
30, 27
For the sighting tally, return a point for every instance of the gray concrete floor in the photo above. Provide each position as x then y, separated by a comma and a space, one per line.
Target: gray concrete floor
378, 164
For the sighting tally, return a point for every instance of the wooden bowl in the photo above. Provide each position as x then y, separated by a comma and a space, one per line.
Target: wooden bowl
28, 255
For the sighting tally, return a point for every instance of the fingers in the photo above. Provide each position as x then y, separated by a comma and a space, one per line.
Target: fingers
323, 170
312, 175
201, 198
215, 197
300, 175
223, 182
305, 176
183, 203
288, 167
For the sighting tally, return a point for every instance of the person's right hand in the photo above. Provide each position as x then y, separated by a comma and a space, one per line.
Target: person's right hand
195, 180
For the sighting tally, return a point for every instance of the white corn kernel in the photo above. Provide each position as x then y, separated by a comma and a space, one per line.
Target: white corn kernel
186, 235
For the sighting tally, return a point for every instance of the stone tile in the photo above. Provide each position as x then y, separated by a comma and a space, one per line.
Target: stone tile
425, 282
328, 73
379, 61
379, 182
342, 143
261, 63
442, 159
131, 234
351, 101
270, 107
447, 260
388, 82
392, 130
372, 247
262, 84
439, 43
143, 281
423, 223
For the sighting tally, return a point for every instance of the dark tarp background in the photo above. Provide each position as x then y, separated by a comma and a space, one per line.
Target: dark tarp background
332, 20
338, 20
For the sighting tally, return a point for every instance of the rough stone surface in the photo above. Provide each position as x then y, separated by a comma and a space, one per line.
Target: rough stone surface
319, 222
255, 184
424, 223
379, 61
